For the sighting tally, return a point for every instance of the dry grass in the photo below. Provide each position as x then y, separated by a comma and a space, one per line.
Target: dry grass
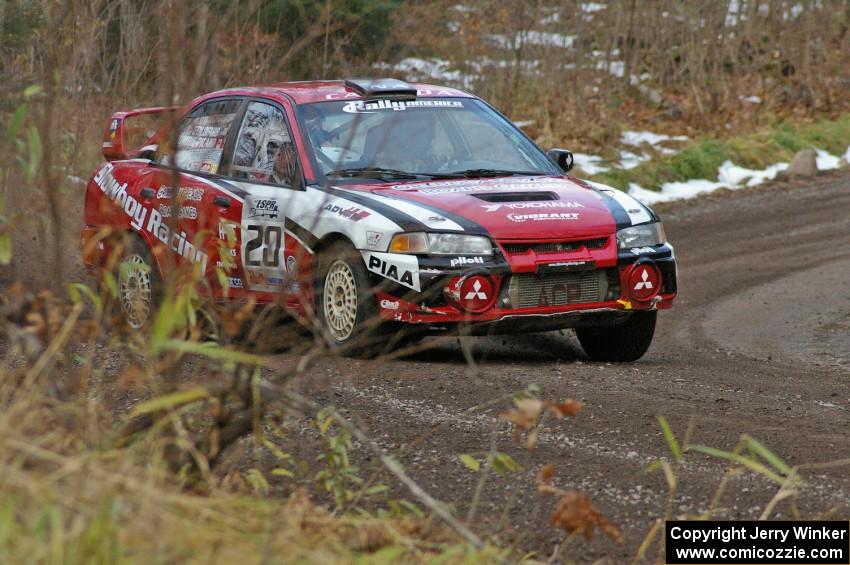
89, 475
108, 451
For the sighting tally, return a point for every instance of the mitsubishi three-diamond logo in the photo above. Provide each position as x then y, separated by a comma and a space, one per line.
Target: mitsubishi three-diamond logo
476, 292
644, 283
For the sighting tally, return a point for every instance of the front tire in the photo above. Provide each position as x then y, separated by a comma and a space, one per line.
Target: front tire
345, 303
622, 343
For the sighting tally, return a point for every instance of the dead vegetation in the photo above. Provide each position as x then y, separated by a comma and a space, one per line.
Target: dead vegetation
109, 458
86, 446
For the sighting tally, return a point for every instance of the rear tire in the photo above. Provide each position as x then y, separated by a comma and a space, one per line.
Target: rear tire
625, 342
139, 285
345, 303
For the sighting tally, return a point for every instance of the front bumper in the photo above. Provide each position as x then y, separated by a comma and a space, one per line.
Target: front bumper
549, 293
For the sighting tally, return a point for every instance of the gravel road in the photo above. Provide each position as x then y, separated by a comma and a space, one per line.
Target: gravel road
757, 343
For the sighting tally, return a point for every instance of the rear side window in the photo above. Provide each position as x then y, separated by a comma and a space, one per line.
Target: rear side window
200, 140
264, 151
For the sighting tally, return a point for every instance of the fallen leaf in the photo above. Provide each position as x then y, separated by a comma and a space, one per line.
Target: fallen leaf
531, 439
576, 514
569, 407
546, 474
525, 414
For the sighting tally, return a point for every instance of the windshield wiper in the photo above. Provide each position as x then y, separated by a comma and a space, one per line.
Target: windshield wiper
395, 174
373, 172
483, 173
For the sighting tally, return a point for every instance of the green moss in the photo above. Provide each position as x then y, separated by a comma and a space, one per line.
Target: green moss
829, 135
701, 158
699, 161
760, 150
787, 137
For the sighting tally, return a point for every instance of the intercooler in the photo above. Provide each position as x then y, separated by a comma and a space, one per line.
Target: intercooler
528, 290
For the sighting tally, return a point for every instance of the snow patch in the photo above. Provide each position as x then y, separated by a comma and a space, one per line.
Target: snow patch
826, 161
732, 15
553, 18
847, 155
591, 7
589, 163
729, 175
543, 38
733, 175
751, 99
639, 137
416, 68
629, 160
618, 69
675, 190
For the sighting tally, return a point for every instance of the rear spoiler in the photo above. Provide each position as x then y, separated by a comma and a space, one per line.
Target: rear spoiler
113, 137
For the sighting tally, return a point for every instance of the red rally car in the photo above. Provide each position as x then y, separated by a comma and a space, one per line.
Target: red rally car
377, 199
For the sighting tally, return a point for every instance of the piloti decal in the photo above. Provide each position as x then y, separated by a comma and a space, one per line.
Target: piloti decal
177, 242
460, 261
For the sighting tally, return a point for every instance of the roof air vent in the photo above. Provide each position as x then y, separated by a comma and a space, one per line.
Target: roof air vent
385, 88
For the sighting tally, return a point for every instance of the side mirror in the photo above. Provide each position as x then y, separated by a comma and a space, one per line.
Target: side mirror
562, 157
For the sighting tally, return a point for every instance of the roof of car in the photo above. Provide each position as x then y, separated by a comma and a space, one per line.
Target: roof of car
324, 90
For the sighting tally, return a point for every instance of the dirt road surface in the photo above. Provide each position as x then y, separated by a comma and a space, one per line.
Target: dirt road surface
757, 343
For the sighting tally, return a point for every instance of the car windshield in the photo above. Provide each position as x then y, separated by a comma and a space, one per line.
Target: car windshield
422, 138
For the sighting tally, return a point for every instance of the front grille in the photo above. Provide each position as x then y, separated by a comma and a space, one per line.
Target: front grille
528, 290
555, 246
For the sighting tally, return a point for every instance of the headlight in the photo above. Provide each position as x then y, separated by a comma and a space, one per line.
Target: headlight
441, 244
640, 236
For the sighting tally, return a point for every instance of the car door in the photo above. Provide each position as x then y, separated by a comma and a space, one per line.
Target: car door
188, 205
264, 165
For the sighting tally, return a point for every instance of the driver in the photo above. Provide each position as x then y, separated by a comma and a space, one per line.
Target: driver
283, 162
409, 143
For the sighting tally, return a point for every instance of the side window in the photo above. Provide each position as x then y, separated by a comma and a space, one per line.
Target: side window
264, 151
200, 140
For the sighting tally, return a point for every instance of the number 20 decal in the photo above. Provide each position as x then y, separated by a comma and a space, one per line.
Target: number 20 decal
270, 239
